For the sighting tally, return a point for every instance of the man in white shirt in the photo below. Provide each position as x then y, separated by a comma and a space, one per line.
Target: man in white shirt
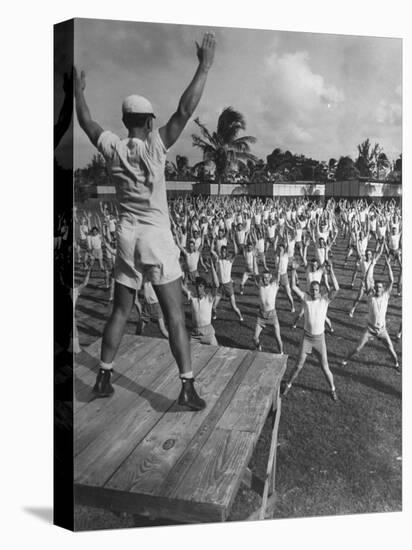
267, 315
145, 242
378, 299
202, 306
367, 265
224, 263
315, 310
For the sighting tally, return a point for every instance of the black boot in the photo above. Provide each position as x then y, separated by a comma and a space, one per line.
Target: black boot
102, 387
188, 396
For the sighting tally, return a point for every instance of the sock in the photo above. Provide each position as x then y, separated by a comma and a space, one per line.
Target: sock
106, 366
186, 375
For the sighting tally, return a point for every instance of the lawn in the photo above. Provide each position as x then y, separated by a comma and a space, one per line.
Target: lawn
332, 458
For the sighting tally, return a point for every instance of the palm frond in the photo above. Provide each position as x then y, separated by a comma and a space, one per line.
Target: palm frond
205, 132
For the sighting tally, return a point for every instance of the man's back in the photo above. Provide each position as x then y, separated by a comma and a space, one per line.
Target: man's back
137, 169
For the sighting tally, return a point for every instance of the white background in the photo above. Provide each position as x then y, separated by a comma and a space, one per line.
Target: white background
26, 284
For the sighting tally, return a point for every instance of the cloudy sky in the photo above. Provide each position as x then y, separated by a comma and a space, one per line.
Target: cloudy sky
315, 94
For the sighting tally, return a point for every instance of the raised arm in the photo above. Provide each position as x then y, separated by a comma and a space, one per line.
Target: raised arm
388, 263
294, 286
333, 291
191, 96
65, 115
92, 129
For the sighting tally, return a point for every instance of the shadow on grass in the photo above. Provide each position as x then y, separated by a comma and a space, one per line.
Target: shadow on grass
368, 381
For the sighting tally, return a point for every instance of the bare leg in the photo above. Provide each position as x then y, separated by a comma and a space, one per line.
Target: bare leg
298, 367
215, 304
170, 299
357, 300
258, 330
235, 308
362, 342
162, 327
290, 298
278, 337
113, 331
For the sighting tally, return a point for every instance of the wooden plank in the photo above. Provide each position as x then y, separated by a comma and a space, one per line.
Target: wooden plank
270, 471
270, 509
147, 467
117, 439
178, 472
146, 505
252, 401
129, 390
216, 475
132, 350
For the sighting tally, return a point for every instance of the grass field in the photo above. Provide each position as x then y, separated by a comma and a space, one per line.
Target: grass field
332, 458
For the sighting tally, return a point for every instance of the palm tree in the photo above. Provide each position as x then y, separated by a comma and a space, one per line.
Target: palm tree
225, 147
382, 161
366, 160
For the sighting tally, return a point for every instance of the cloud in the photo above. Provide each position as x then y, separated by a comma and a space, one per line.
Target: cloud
295, 100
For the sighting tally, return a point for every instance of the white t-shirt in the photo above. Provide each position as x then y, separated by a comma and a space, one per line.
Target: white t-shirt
377, 306
267, 296
137, 168
202, 310
192, 260
315, 312
224, 270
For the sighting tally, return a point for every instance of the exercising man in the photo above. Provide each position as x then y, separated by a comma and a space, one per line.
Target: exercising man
315, 310
145, 243
267, 315
378, 299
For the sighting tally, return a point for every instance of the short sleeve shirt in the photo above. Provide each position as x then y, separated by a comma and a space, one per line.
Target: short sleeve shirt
137, 169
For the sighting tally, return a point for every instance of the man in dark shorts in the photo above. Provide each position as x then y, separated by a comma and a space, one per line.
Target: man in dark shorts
315, 310
267, 316
378, 299
223, 269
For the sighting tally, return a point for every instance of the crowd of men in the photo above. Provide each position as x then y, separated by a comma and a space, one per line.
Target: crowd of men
279, 245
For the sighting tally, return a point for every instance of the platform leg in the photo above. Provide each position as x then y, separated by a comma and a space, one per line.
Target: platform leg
269, 486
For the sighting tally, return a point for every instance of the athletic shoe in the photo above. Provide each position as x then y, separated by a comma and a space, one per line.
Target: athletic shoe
351, 313
294, 326
399, 336
344, 363
103, 387
333, 395
188, 396
241, 320
214, 316
241, 291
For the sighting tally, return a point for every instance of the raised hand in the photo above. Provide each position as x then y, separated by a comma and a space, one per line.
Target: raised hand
79, 80
206, 52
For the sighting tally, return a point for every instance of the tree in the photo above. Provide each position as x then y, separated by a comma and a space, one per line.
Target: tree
346, 169
366, 161
382, 162
225, 146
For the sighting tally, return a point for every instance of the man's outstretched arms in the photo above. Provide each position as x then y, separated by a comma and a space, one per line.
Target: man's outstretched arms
92, 129
191, 96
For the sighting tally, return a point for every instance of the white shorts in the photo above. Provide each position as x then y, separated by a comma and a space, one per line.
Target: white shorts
145, 250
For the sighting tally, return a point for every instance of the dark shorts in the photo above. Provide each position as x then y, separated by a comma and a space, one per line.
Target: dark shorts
151, 312
204, 335
314, 342
267, 319
284, 279
192, 275
226, 289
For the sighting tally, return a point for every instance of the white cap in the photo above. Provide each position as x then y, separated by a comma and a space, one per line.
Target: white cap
137, 104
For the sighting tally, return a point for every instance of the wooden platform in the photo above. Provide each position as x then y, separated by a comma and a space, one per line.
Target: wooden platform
139, 452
